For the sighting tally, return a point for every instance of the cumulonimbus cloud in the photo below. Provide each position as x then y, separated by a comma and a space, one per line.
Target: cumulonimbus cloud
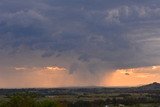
94, 35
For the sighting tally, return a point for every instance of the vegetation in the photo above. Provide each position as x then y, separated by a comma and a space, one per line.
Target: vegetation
28, 99
146, 96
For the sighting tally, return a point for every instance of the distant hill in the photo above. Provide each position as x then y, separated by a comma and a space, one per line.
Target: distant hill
149, 88
152, 86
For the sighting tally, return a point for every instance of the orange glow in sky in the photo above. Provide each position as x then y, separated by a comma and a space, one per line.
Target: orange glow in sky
133, 77
54, 76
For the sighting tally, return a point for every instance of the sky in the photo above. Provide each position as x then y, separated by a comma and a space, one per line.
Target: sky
64, 43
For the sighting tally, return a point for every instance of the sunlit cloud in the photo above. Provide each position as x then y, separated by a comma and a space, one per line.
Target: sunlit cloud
154, 67
55, 68
20, 68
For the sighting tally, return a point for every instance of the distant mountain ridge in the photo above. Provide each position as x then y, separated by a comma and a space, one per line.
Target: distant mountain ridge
152, 86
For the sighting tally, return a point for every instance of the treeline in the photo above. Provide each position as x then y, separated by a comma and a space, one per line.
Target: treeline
27, 99
131, 99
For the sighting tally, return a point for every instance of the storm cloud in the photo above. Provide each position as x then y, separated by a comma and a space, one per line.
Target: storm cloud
80, 35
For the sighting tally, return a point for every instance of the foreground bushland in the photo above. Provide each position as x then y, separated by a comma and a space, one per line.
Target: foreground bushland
28, 99
35, 100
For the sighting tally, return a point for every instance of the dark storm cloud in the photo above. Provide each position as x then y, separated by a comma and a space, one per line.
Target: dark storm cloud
97, 34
